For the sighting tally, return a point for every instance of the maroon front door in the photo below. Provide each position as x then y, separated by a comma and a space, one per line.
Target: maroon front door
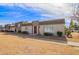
35, 29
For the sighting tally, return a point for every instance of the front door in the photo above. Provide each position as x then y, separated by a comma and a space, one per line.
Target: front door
35, 29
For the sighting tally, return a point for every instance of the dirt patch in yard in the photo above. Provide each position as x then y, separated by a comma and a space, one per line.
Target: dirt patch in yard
15, 45
39, 37
75, 37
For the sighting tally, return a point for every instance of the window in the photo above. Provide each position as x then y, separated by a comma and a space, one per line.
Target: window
18, 25
48, 28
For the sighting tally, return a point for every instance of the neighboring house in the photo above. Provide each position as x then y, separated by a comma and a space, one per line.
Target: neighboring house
1, 27
18, 27
12, 27
50, 26
27, 27
7, 27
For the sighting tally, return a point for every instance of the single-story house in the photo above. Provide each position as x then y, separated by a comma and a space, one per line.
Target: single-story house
38, 27
26, 28
18, 27
12, 27
1, 27
7, 27
42, 27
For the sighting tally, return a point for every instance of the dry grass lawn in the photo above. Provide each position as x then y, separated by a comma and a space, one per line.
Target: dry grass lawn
12, 45
75, 37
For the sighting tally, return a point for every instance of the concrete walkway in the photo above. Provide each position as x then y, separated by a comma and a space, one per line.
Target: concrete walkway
73, 43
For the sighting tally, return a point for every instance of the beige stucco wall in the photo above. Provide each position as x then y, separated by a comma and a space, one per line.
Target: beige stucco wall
52, 28
12, 28
58, 27
41, 29
29, 29
23, 28
45, 28
26, 28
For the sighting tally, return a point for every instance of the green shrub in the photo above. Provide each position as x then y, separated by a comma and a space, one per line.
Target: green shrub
19, 31
68, 32
59, 33
48, 34
25, 32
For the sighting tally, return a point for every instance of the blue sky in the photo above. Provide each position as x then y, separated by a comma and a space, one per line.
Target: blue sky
15, 12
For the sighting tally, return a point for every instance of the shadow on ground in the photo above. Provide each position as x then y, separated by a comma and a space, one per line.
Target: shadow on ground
39, 37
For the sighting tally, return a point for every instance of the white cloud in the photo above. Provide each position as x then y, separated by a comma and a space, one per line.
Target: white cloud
52, 9
48, 10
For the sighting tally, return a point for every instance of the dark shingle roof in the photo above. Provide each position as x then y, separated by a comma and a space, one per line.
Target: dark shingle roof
56, 21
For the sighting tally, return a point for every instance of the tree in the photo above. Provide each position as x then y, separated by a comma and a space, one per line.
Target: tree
76, 27
67, 31
72, 25
22, 22
75, 11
